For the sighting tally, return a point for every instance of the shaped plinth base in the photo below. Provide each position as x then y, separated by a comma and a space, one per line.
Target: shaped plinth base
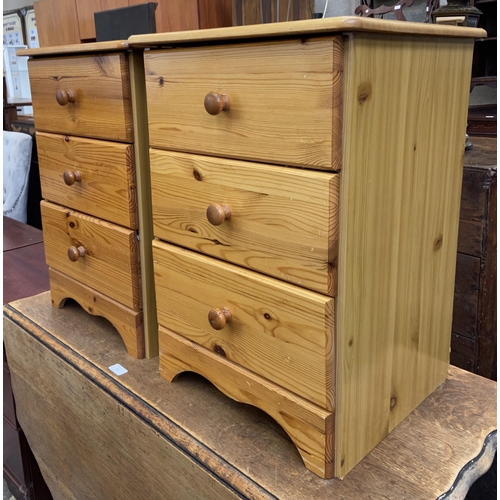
309, 426
127, 322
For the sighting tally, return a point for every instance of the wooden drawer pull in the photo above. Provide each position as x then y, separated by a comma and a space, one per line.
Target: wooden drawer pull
217, 214
219, 317
71, 177
75, 253
215, 103
64, 96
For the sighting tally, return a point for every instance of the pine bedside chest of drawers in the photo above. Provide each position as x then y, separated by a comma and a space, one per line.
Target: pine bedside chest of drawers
95, 183
305, 185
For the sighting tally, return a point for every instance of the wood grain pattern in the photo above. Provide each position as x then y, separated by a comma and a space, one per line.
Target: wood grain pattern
77, 48
102, 107
107, 188
80, 449
332, 25
281, 332
57, 22
175, 16
283, 221
141, 146
298, 86
128, 323
85, 11
465, 304
400, 197
111, 265
309, 427
240, 446
214, 13
472, 211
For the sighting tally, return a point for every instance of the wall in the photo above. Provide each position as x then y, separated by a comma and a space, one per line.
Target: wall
16, 4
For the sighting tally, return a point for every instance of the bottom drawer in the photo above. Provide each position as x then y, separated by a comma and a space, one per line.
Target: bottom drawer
279, 331
310, 427
99, 254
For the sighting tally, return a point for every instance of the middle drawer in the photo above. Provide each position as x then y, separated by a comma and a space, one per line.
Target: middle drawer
282, 222
95, 177
279, 331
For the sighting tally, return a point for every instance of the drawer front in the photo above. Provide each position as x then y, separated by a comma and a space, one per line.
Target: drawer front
100, 88
110, 264
282, 222
95, 177
278, 331
284, 101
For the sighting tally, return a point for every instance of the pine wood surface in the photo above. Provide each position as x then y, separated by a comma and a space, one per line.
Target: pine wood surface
279, 331
283, 221
309, 427
101, 84
75, 48
284, 101
59, 361
128, 323
330, 25
111, 265
143, 177
400, 197
107, 188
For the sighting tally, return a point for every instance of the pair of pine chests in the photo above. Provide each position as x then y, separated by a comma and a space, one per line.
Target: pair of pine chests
282, 199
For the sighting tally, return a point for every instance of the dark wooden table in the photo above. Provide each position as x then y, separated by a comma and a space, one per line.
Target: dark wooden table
99, 435
24, 274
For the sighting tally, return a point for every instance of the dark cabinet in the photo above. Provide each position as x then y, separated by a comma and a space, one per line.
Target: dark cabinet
473, 345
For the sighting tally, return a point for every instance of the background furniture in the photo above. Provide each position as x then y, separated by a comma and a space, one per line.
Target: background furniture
97, 435
63, 22
24, 274
482, 119
270, 11
336, 321
16, 166
474, 338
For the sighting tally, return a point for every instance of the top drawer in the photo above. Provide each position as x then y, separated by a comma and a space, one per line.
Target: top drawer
83, 95
276, 102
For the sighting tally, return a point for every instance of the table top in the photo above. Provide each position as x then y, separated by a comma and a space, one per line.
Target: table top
17, 235
25, 272
424, 457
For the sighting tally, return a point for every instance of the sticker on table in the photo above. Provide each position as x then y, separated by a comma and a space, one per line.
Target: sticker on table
118, 369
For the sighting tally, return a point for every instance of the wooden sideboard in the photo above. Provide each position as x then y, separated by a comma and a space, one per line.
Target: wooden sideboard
474, 338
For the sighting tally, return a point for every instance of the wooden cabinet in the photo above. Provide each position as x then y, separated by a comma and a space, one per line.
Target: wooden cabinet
290, 147
61, 22
474, 339
85, 106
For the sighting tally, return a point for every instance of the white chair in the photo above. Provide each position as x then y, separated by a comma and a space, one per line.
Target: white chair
16, 168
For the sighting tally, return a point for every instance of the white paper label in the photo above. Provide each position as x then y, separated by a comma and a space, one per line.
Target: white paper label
118, 369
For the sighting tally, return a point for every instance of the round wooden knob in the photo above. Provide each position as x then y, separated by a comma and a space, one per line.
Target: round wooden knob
219, 317
75, 253
71, 177
217, 214
215, 103
64, 96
